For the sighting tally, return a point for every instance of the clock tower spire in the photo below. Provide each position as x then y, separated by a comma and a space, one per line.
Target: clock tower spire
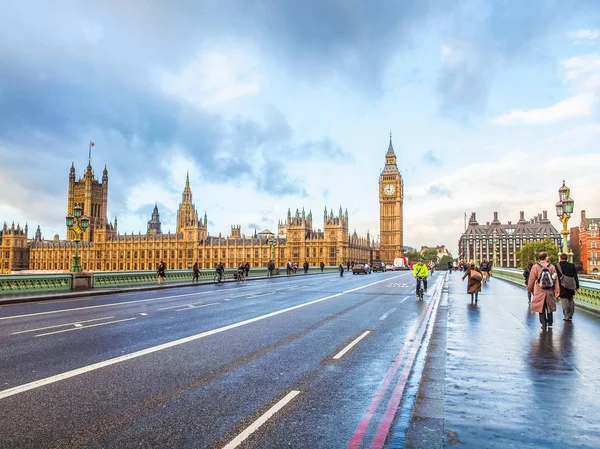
391, 198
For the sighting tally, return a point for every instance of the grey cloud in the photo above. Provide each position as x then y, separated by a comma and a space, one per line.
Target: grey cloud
507, 32
440, 190
430, 158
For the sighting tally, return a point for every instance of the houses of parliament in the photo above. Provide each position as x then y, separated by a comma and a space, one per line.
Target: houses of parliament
103, 248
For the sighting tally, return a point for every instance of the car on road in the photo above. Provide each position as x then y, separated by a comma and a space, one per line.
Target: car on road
390, 267
359, 268
378, 266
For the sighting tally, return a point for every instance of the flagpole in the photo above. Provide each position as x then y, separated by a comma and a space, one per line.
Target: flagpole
90, 154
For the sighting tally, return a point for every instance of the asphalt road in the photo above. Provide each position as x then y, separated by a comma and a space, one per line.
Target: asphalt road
299, 362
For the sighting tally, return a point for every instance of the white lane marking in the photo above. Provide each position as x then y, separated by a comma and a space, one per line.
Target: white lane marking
191, 307
101, 305
264, 294
404, 299
386, 314
143, 314
340, 354
78, 325
226, 299
85, 327
61, 325
86, 369
260, 421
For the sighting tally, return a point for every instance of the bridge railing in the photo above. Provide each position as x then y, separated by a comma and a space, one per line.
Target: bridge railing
15, 284
587, 297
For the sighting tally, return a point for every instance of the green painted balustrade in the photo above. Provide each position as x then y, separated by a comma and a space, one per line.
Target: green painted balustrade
34, 283
15, 284
587, 297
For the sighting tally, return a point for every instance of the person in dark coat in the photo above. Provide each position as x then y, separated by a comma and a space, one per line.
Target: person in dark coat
526, 276
569, 284
161, 273
450, 266
196, 272
322, 265
341, 269
305, 266
246, 269
474, 285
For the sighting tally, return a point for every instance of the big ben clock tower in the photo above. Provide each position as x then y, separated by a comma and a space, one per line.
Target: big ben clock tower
391, 197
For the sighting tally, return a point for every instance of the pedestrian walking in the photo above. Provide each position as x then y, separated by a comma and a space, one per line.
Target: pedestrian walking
322, 265
450, 266
341, 267
270, 267
246, 269
305, 266
288, 267
543, 283
526, 273
474, 284
196, 271
568, 285
160, 272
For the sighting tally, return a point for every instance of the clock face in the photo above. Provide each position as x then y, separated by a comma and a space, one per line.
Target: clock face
389, 189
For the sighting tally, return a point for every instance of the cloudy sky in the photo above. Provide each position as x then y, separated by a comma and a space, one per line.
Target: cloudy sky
273, 104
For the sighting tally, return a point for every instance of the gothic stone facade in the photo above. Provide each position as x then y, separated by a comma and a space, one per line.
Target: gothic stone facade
103, 249
391, 198
478, 241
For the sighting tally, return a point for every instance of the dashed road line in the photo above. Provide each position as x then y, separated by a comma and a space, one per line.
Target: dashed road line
386, 314
340, 354
75, 323
192, 307
84, 327
404, 299
261, 420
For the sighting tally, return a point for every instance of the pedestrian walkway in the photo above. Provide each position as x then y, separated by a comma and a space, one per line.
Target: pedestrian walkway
508, 384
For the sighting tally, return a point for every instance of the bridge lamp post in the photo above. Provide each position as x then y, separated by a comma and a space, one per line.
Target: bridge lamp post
273, 244
564, 209
78, 224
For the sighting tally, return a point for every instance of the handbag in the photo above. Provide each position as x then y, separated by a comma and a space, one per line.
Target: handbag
476, 275
567, 282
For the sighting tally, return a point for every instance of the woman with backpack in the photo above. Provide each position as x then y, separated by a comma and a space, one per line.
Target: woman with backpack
474, 285
543, 284
526, 276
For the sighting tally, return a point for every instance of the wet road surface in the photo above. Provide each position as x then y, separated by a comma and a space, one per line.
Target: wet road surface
511, 385
292, 362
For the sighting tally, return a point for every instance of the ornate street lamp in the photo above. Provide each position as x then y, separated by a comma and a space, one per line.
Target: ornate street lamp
564, 209
78, 224
273, 244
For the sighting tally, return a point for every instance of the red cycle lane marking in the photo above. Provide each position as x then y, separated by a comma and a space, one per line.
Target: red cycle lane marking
390, 412
364, 423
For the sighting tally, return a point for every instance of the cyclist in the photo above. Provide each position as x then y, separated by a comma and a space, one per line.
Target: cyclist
431, 266
220, 270
420, 272
240, 272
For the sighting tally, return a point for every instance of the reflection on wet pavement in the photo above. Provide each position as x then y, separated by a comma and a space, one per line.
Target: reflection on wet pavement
509, 384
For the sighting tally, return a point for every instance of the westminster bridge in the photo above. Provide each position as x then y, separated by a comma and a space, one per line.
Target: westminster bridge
314, 360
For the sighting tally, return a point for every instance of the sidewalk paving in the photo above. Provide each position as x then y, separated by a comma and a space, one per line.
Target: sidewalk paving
508, 384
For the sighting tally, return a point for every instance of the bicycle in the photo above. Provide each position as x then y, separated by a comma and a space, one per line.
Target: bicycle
239, 277
420, 289
219, 278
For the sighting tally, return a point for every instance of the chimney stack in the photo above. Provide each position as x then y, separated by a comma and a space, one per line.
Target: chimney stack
545, 214
582, 216
522, 215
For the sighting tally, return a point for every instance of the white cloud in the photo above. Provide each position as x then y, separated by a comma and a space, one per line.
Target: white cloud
513, 182
582, 77
585, 36
215, 77
582, 105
